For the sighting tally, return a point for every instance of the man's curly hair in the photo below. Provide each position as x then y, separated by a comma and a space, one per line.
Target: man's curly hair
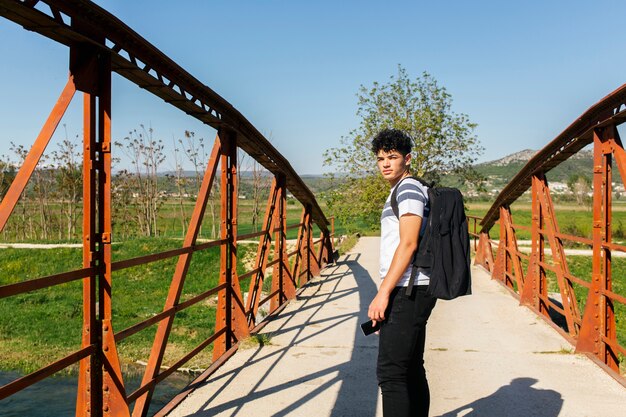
392, 140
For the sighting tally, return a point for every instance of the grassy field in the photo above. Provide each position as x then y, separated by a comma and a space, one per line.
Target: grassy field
170, 224
25, 225
38, 327
572, 219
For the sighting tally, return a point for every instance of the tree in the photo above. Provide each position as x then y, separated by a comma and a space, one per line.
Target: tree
580, 186
7, 174
125, 209
69, 181
180, 181
41, 185
444, 143
257, 183
260, 183
195, 152
146, 154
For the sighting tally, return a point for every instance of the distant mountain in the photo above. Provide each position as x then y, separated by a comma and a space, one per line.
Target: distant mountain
499, 172
521, 156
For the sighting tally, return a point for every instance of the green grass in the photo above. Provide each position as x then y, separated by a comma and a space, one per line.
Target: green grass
42, 326
25, 224
571, 218
256, 340
39, 327
347, 244
170, 224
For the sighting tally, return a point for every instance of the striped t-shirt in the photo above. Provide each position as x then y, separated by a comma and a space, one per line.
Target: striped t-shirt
412, 198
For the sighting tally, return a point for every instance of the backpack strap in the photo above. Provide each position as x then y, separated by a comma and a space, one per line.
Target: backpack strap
396, 211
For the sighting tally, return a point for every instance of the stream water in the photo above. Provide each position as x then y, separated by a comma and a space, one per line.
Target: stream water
56, 396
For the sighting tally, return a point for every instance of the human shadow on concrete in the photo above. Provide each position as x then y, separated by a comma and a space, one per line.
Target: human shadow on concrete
358, 394
358, 391
518, 399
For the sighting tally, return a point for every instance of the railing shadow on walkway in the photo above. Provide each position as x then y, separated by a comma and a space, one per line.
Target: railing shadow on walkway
358, 392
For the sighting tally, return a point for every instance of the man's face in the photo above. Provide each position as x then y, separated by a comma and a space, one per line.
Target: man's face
392, 165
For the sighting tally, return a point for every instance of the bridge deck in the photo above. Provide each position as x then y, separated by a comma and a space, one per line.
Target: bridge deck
484, 353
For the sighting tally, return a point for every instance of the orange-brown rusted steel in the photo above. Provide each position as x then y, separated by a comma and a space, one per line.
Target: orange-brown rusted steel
308, 256
283, 286
316, 257
113, 395
599, 318
319, 254
532, 288
276, 288
302, 248
514, 275
100, 45
263, 251
222, 315
566, 288
294, 266
535, 291
177, 284
89, 375
593, 331
101, 369
237, 313
499, 268
230, 308
484, 252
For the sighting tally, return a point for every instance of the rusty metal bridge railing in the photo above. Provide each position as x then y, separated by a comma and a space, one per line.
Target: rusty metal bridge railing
584, 308
100, 45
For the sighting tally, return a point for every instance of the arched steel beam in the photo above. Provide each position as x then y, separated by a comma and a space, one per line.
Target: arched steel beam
77, 23
610, 110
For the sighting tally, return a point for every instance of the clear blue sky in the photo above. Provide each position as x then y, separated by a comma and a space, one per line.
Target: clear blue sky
522, 70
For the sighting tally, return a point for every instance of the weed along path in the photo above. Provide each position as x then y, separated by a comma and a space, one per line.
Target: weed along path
484, 353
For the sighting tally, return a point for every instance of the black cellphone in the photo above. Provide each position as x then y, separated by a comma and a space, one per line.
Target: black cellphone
368, 329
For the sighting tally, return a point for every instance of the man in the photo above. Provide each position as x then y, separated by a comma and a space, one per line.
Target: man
400, 367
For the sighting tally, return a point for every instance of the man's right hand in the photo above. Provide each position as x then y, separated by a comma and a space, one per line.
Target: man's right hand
377, 308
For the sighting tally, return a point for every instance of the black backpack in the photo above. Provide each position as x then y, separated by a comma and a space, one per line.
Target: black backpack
444, 247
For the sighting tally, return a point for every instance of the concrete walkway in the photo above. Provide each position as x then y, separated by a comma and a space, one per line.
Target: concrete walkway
486, 356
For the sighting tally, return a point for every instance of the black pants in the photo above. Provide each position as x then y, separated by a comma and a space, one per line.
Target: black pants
400, 368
